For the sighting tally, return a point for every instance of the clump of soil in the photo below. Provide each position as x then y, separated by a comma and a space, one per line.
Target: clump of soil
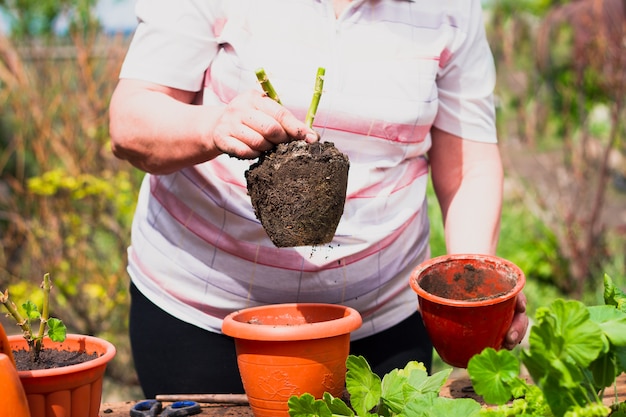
50, 358
298, 191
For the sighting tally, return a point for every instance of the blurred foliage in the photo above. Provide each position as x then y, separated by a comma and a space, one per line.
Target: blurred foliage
43, 18
66, 203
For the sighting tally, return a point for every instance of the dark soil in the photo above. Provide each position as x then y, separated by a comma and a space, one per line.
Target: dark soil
50, 358
298, 192
473, 284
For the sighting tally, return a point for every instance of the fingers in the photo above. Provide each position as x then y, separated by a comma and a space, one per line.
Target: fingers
519, 326
253, 123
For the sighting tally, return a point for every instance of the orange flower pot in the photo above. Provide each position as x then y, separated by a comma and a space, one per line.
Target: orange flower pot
13, 401
69, 391
467, 303
291, 349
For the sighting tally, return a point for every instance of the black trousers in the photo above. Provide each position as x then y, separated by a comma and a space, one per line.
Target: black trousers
174, 357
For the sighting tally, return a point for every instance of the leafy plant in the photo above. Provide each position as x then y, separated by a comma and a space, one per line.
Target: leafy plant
402, 392
575, 353
48, 326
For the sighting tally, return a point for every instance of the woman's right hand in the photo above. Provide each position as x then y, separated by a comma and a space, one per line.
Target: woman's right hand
253, 123
159, 130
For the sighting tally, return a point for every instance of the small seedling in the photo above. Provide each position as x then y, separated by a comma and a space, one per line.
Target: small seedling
48, 326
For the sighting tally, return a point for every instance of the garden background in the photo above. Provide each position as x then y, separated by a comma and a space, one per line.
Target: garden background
66, 203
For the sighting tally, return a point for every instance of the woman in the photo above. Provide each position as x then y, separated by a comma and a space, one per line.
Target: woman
408, 88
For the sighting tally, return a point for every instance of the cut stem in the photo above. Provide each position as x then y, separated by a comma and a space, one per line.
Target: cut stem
317, 93
266, 85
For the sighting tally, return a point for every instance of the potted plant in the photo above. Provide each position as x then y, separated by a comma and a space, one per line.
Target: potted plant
290, 349
62, 388
467, 302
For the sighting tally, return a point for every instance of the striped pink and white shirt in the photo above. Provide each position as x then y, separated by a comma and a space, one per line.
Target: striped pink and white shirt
394, 68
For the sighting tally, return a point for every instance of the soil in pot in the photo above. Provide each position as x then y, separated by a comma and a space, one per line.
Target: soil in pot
49, 359
298, 191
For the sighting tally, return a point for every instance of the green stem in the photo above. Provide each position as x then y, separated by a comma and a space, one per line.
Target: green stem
266, 85
319, 85
12, 309
46, 285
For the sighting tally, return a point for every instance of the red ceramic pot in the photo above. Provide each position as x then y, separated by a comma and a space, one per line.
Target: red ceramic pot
291, 349
69, 391
467, 302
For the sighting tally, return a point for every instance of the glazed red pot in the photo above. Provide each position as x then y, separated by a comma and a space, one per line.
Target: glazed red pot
291, 349
68, 391
467, 302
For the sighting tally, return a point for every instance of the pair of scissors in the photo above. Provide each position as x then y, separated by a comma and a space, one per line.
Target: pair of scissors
153, 408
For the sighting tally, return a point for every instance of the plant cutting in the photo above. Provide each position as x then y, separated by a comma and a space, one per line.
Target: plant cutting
48, 326
298, 189
53, 389
575, 353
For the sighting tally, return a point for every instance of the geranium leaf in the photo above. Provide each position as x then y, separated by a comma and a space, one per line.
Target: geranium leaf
581, 338
392, 390
56, 330
307, 406
613, 295
337, 406
31, 310
491, 373
363, 385
612, 322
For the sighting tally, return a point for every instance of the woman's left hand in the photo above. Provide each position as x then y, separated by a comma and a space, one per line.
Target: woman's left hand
518, 328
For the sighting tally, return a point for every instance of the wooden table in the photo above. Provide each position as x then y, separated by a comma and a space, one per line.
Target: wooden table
459, 387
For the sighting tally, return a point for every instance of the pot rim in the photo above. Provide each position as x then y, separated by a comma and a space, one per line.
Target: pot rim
234, 326
423, 294
18, 341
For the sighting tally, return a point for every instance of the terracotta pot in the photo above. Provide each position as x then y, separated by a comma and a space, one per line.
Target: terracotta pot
13, 401
69, 391
467, 303
291, 349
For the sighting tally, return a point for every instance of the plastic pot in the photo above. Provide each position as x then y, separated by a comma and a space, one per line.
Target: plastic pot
13, 401
467, 302
68, 391
291, 349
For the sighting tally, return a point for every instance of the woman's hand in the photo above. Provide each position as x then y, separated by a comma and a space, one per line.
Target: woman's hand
253, 123
159, 130
518, 328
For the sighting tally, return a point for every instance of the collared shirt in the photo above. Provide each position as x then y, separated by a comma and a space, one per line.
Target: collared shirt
394, 68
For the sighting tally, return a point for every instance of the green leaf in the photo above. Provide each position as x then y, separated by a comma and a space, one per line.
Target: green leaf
492, 372
363, 385
612, 322
431, 405
392, 392
613, 295
431, 383
570, 334
31, 310
337, 406
604, 370
56, 330
307, 406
